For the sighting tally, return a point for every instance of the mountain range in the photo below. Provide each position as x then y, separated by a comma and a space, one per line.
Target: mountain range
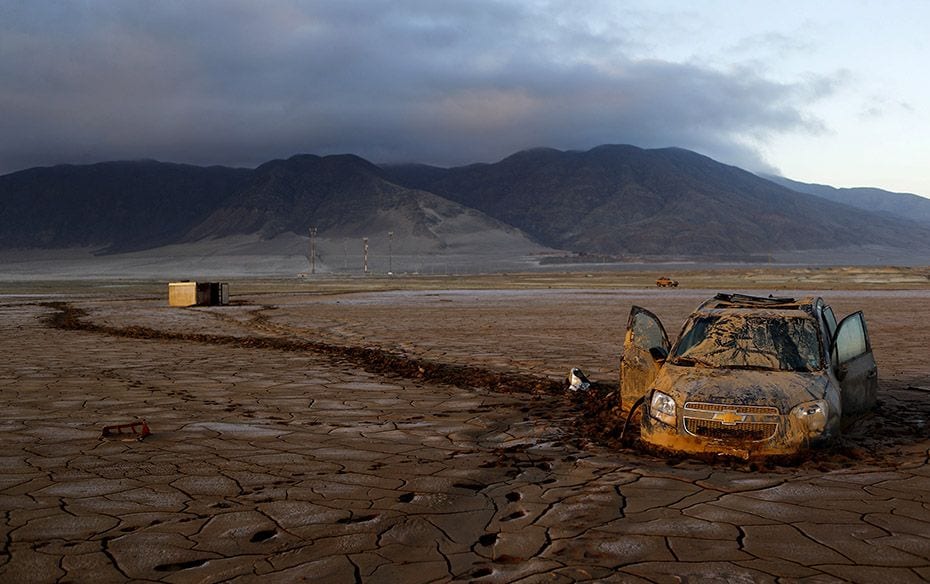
902, 205
625, 200
614, 200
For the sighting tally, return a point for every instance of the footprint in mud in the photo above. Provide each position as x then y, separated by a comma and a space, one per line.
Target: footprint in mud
406, 497
263, 535
513, 516
513, 496
488, 539
470, 486
359, 519
178, 566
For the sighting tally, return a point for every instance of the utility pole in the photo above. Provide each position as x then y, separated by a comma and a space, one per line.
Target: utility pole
365, 246
390, 253
313, 250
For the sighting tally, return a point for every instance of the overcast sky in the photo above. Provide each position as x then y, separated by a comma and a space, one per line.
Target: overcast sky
830, 92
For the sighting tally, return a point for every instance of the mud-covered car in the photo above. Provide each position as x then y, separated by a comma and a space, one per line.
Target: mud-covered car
748, 376
666, 282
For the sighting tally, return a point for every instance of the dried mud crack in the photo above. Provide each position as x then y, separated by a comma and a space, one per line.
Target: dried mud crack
595, 415
295, 463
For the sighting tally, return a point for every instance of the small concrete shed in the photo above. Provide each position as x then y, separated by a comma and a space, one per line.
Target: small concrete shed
198, 293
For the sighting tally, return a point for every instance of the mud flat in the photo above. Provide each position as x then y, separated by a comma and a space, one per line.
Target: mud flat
291, 442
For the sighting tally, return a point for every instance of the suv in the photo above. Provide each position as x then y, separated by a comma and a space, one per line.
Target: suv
748, 375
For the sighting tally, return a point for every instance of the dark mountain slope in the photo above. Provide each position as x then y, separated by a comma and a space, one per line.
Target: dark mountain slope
611, 200
901, 205
624, 199
118, 205
342, 196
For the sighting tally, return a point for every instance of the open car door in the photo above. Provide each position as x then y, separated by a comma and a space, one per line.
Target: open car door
644, 350
854, 365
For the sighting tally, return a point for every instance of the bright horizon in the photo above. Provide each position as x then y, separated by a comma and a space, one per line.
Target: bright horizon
829, 92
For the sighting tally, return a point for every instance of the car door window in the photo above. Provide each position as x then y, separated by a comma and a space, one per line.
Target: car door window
850, 340
829, 320
644, 344
647, 331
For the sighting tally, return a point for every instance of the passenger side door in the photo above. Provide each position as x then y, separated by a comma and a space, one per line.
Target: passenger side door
645, 347
854, 365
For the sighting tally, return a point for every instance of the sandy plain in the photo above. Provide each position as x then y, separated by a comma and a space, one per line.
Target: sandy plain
282, 451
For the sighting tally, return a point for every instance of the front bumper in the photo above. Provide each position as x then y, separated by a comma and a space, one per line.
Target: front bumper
733, 430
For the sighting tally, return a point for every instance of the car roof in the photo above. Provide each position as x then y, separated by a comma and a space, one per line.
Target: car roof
757, 304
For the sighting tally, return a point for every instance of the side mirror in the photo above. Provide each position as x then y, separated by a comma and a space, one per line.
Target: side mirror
660, 354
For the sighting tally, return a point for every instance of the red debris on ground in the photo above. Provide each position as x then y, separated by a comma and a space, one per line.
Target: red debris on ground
132, 431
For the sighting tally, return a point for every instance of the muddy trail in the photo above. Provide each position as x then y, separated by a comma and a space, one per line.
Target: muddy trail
370, 359
888, 436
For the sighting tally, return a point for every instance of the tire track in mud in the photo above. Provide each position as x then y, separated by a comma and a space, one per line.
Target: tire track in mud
371, 359
595, 414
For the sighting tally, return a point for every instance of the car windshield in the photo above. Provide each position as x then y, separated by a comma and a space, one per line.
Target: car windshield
750, 342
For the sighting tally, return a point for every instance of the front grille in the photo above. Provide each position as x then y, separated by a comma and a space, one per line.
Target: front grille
752, 432
740, 409
730, 421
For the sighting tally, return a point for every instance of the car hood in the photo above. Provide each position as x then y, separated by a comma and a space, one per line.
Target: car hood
780, 389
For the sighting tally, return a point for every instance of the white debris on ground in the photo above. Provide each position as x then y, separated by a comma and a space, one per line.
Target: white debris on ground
577, 380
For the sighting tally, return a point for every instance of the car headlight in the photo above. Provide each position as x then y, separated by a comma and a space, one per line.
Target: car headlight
662, 408
813, 416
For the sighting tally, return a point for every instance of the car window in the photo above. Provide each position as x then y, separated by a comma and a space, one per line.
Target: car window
647, 332
850, 339
830, 320
750, 341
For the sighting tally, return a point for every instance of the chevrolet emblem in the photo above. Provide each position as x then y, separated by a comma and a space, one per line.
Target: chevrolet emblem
728, 418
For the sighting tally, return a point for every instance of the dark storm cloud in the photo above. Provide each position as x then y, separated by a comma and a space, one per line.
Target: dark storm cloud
241, 82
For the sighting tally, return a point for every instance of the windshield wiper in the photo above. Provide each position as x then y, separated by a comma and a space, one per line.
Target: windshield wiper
753, 367
691, 362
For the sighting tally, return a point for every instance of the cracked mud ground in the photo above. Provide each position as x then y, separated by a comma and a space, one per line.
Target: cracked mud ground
276, 461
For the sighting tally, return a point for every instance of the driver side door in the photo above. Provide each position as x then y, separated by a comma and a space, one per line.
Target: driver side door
645, 347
